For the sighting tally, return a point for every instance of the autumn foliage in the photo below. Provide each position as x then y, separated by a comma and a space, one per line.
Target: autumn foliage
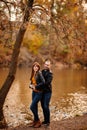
57, 27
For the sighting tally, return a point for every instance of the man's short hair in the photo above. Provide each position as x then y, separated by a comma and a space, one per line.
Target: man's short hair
47, 60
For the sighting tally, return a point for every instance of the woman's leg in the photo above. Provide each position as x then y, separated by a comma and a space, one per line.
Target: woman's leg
34, 105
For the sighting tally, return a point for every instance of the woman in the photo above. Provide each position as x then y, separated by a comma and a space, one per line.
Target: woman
38, 81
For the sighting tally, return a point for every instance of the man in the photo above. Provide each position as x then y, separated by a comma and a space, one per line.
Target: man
47, 91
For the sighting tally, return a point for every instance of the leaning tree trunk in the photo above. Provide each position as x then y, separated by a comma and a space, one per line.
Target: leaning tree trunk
12, 71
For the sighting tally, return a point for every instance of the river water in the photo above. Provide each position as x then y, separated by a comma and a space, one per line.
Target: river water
69, 97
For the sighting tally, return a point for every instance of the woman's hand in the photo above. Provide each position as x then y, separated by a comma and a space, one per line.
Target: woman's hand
32, 86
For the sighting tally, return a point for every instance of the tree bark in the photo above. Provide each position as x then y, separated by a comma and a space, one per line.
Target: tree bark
12, 71
11, 76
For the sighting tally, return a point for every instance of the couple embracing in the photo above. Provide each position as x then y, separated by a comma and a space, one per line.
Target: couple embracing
41, 92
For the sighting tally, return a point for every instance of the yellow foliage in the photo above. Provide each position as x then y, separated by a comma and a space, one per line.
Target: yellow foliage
31, 27
74, 1
33, 39
36, 43
75, 8
33, 42
79, 52
86, 22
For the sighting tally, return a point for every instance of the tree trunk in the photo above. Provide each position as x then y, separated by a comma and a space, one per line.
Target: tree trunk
11, 76
12, 71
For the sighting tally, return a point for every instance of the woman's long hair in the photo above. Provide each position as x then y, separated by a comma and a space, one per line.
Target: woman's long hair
32, 72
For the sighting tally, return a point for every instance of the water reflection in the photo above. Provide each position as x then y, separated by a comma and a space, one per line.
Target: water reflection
69, 96
68, 81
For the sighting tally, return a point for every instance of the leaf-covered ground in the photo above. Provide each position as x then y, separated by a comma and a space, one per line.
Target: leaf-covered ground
77, 123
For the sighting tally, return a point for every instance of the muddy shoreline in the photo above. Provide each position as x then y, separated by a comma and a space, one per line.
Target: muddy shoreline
76, 123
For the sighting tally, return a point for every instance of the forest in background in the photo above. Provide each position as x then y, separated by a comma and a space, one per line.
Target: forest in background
56, 29
38, 30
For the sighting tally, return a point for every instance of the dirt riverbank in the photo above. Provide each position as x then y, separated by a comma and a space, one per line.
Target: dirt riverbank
76, 123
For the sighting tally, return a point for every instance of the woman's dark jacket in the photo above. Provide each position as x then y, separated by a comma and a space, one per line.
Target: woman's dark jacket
40, 81
47, 87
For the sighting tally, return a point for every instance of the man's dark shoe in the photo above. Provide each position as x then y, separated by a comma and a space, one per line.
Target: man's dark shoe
45, 123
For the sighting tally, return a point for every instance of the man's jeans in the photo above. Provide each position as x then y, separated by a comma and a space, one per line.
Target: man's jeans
36, 97
45, 106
